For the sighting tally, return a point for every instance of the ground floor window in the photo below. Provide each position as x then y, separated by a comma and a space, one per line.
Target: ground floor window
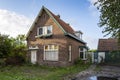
51, 52
83, 53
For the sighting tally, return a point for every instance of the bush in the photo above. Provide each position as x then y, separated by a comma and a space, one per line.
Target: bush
79, 61
113, 57
14, 60
2, 61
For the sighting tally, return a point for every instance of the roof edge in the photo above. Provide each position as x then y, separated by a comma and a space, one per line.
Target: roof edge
47, 11
68, 34
54, 20
32, 25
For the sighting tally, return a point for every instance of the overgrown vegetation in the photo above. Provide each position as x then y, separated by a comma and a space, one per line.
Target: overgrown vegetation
12, 50
34, 72
113, 57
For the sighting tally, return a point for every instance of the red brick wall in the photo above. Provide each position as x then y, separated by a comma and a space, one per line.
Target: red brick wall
75, 47
58, 38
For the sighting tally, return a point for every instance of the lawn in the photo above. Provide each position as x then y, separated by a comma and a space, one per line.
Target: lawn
33, 72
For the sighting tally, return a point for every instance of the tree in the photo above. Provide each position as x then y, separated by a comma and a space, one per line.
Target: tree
21, 39
12, 50
110, 17
5, 46
19, 46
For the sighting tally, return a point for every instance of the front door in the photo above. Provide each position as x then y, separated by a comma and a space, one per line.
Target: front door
33, 57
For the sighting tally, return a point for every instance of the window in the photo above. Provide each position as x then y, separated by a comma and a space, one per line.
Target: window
40, 31
46, 30
69, 53
49, 30
51, 52
83, 53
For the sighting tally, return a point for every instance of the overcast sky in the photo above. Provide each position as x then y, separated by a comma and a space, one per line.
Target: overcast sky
16, 16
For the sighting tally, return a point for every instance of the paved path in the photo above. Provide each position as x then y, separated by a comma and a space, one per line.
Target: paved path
108, 71
85, 74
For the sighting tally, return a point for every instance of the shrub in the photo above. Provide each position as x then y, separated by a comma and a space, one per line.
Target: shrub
79, 61
14, 60
2, 61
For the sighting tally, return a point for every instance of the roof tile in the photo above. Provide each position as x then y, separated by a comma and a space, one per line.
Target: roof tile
64, 25
108, 44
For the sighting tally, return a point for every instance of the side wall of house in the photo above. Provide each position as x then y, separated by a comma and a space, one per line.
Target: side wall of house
75, 48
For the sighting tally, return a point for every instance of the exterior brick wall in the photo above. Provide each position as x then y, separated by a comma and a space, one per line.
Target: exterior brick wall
58, 38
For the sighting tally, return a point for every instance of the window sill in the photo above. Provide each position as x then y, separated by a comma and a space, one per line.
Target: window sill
46, 35
84, 59
51, 60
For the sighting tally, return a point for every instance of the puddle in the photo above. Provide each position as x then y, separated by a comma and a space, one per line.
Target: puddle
101, 78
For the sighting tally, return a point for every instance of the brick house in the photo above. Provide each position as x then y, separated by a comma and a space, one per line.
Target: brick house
53, 42
105, 46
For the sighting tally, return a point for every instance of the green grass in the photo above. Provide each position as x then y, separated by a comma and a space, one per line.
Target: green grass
33, 72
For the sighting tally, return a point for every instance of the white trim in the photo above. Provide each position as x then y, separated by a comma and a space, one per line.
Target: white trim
70, 49
84, 53
44, 29
51, 54
33, 47
38, 31
44, 53
33, 56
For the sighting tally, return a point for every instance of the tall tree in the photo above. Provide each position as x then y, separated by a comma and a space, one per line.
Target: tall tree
110, 17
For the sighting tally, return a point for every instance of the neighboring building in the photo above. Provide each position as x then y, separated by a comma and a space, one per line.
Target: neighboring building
53, 42
105, 46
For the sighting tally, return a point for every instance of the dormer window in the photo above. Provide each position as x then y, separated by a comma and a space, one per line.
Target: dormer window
78, 34
44, 31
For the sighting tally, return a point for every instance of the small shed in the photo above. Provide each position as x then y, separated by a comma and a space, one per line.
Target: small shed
105, 47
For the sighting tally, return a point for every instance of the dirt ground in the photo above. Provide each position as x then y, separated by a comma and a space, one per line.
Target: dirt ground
106, 71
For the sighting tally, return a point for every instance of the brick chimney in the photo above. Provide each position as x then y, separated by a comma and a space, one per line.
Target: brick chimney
58, 16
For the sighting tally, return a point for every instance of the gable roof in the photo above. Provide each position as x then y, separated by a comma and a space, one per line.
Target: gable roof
108, 44
64, 25
66, 28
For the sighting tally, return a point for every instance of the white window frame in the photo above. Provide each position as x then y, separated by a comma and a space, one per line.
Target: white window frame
51, 56
70, 53
84, 53
38, 31
45, 30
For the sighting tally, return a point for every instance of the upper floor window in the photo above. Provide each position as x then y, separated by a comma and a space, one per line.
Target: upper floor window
46, 30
